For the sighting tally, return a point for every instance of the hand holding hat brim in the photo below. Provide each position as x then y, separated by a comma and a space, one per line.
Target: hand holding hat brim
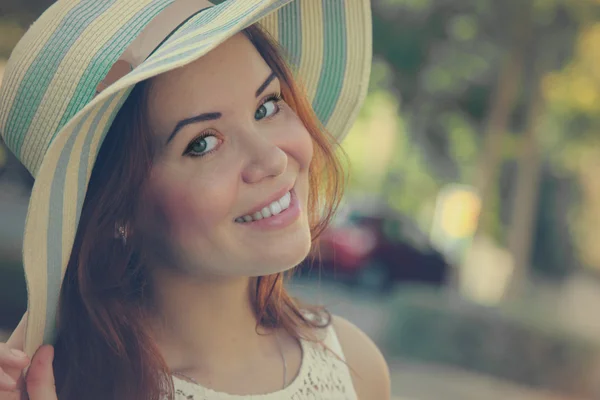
39, 382
12, 363
40, 377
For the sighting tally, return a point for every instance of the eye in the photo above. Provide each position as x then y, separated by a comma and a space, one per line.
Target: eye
269, 108
202, 145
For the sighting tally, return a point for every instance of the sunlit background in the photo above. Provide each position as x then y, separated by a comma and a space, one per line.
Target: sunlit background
468, 244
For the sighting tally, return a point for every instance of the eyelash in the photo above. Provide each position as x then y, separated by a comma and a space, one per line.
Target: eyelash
277, 98
206, 134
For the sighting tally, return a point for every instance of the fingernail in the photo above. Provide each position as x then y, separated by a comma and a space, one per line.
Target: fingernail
18, 353
7, 380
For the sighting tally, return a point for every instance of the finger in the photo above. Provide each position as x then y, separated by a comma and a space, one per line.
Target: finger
12, 358
11, 391
16, 373
40, 376
12, 363
7, 383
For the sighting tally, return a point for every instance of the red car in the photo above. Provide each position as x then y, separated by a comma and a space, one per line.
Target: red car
377, 247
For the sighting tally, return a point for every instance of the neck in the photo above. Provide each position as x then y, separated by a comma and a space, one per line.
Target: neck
205, 324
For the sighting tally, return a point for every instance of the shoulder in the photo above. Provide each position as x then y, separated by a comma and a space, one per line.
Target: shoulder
368, 368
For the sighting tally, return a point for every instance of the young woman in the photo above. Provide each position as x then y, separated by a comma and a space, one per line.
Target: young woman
211, 174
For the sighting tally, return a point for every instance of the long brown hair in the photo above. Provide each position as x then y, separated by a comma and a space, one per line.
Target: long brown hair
103, 348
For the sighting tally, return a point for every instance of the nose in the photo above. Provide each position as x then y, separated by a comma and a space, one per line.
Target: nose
266, 160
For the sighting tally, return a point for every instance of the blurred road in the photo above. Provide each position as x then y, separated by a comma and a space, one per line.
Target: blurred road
410, 380
368, 311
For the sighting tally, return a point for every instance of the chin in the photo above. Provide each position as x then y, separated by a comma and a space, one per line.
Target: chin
283, 260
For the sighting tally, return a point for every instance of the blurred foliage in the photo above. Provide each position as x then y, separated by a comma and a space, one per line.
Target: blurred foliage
15, 18
523, 347
437, 67
10, 32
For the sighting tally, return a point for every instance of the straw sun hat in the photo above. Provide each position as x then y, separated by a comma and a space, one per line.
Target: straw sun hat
76, 65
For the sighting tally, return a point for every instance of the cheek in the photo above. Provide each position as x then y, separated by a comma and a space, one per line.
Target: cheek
178, 205
299, 144
186, 205
305, 150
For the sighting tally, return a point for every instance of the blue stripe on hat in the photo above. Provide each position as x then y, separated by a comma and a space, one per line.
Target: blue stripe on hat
83, 178
54, 245
41, 72
55, 217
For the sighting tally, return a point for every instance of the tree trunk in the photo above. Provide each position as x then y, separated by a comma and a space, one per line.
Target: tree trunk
527, 186
506, 91
501, 106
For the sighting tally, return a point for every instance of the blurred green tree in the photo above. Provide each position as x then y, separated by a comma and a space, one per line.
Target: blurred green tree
464, 71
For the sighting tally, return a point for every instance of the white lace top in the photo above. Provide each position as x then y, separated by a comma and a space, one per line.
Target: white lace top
322, 376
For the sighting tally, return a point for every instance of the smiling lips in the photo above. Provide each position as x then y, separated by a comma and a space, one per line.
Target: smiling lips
272, 209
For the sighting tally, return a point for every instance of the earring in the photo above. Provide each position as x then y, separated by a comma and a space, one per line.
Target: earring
121, 232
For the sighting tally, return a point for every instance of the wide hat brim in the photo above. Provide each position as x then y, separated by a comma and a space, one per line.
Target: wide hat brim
328, 45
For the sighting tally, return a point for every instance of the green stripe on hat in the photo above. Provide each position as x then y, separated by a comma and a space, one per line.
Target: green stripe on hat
334, 57
196, 40
21, 64
101, 63
33, 87
198, 20
290, 32
194, 43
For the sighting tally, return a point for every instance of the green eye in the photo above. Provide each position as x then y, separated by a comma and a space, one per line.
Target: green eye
267, 109
203, 145
199, 146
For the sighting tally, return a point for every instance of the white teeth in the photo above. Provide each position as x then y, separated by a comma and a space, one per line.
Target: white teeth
274, 208
266, 212
285, 200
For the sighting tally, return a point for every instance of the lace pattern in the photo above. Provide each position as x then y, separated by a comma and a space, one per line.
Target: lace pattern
322, 376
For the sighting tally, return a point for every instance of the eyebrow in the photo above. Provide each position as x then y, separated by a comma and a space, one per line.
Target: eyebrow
212, 116
198, 118
265, 84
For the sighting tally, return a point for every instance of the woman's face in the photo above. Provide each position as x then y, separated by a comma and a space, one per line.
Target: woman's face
229, 186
